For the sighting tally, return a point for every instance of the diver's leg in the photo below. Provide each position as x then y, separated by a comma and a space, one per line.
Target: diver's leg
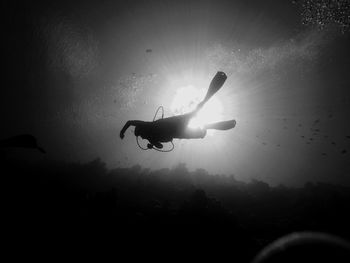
216, 84
193, 133
222, 125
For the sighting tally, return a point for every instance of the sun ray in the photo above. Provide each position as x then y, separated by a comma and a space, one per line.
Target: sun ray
188, 97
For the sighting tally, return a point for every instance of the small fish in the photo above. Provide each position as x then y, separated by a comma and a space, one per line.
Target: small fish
149, 50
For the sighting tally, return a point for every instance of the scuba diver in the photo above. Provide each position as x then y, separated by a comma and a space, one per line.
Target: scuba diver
166, 129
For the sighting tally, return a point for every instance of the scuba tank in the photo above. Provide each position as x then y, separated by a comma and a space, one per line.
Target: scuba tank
216, 83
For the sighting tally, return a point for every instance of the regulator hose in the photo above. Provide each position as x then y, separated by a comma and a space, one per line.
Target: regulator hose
150, 146
154, 148
155, 115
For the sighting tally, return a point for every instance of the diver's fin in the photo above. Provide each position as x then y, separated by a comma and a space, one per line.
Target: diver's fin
222, 125
216, 83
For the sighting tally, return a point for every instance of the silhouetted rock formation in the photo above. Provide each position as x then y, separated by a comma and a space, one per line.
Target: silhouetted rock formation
21, 141
217, 214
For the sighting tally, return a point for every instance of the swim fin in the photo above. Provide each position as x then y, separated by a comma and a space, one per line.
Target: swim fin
216, 83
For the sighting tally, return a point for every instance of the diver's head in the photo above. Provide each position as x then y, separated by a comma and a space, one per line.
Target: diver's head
140, 131
137, 131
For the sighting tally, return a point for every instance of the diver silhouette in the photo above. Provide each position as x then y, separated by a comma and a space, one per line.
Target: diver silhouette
176, 127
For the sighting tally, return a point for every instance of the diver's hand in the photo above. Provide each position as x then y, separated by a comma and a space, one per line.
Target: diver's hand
121, 135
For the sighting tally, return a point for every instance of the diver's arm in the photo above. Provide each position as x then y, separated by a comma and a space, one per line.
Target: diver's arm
127, 125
